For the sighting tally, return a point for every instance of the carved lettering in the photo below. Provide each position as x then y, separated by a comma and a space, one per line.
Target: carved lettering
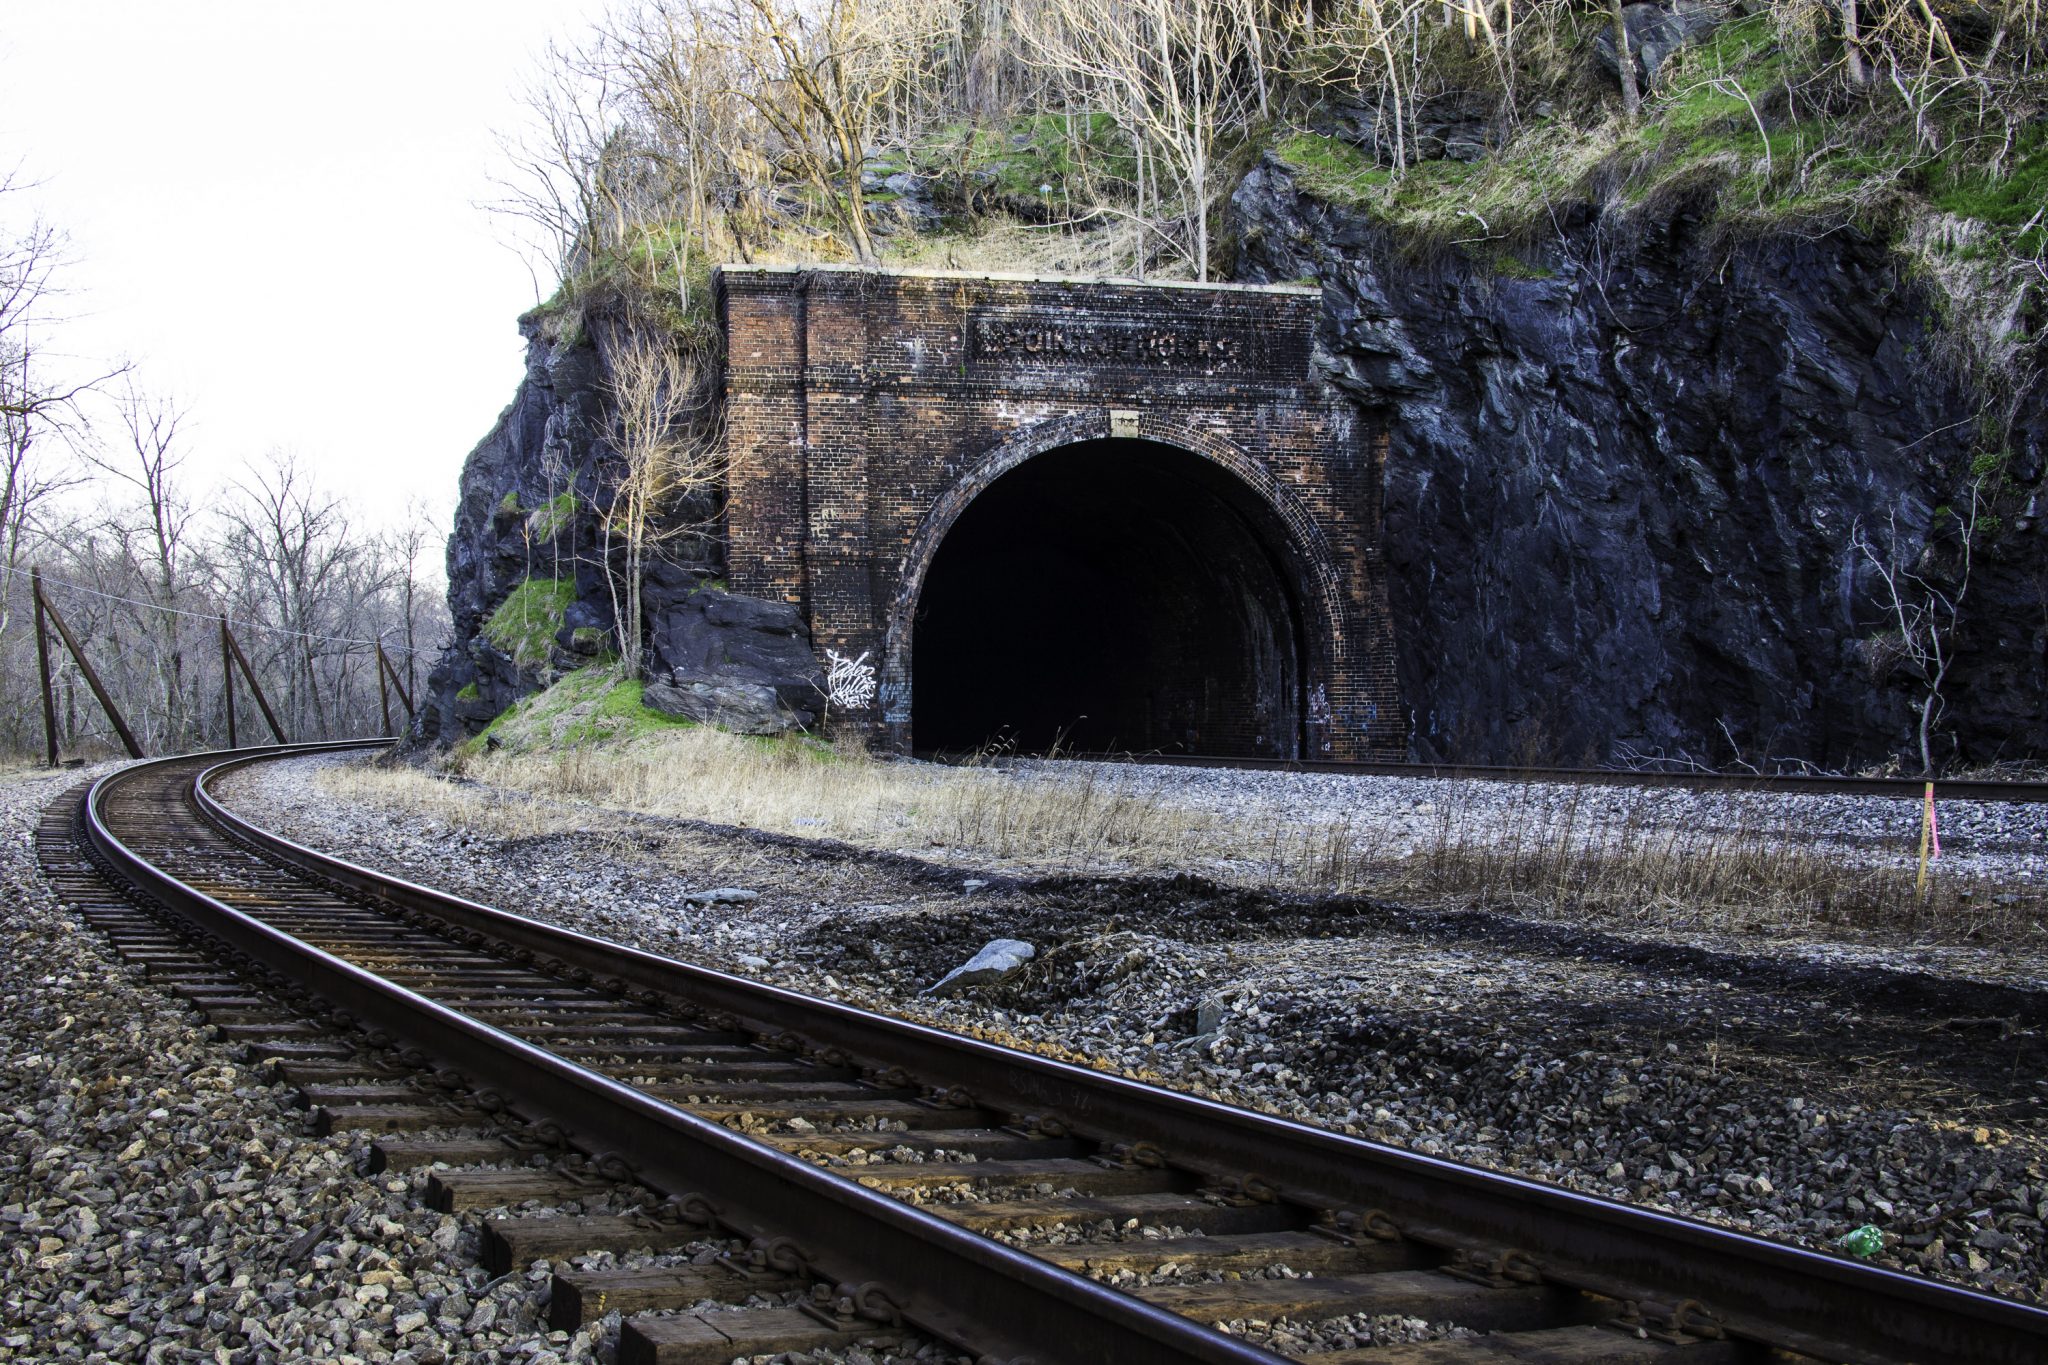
1206, 345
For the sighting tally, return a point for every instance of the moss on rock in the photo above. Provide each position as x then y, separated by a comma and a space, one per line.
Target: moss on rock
525, 623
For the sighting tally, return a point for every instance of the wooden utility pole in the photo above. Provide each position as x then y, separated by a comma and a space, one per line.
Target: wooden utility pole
92, 678
43, 663
249, 675
227, 677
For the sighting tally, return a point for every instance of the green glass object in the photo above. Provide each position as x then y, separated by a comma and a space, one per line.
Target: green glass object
1864, 1241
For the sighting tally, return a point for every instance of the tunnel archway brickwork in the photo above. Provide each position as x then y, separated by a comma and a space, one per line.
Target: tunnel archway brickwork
1172, 522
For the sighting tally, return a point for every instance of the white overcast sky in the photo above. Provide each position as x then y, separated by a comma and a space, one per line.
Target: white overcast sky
273, 211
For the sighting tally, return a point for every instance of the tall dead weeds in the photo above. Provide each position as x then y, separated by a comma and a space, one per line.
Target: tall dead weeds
1586, 854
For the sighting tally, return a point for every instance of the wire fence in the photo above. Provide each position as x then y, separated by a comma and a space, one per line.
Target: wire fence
158, 664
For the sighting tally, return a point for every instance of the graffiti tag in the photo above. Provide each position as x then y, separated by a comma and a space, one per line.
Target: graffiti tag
849, 683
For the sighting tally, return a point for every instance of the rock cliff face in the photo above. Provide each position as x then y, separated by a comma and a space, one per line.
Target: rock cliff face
523, 516
1626, 477
1628, 470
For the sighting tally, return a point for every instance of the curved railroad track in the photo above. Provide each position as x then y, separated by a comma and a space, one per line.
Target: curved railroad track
475, 1038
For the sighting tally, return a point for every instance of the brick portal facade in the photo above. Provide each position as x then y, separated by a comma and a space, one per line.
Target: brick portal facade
866, 409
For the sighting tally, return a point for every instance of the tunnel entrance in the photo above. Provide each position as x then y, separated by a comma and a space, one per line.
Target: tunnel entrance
1111, 595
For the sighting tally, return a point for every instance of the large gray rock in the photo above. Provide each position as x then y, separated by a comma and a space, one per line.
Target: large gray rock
1656, 32
744, 708
1622, 480
716, 653
997, 959
1459, 125
722, 895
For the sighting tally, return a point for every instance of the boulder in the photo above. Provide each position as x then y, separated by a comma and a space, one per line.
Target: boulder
742, 707
664, 583
1655, 33
997, 959
586, 632
722, 895
904, 201
730, 660
1460, 125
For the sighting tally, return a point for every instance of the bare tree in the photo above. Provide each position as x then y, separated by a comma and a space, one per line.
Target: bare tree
817, 75
414, 540
1170, 72
681, 85
293, 554
1924, 610
1625, 63
1852, 44
553, 187
145, 456
1375, 48
32, 405
670, 454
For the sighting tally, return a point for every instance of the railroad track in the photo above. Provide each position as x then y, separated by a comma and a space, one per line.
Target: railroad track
1804, 784
521, 1061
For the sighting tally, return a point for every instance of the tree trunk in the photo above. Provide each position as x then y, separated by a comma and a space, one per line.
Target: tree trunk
1625, 63
1852, 44
1926, 724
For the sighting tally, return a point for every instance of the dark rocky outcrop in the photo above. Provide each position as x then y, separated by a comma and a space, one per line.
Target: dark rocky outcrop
729, 660
1656, 33
1626, 465
1457, 125
1628, 460
526, 513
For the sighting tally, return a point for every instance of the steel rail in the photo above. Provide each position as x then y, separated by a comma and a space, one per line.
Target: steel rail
1784, 1296
1801, 784
954, 1284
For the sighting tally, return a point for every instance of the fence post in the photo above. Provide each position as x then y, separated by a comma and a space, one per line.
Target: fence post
92, 679
43, 664
398, 683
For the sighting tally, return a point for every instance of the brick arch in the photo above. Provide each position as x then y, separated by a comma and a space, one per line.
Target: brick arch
1315, 577
866, 410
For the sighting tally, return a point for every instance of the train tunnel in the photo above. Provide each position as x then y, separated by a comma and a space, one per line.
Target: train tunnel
1111, 596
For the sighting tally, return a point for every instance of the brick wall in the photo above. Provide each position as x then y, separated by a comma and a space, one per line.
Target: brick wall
866, 409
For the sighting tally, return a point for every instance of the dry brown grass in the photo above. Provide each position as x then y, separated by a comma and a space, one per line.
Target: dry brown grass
804, 787
1605, 855
1593, 855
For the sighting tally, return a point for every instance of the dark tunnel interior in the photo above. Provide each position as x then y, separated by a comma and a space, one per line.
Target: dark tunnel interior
1113, 595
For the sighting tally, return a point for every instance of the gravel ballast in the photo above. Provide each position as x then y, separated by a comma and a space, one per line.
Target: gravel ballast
1798, 1091
160, 1202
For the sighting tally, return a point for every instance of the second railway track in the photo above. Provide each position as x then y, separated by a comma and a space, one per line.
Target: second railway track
641, 1065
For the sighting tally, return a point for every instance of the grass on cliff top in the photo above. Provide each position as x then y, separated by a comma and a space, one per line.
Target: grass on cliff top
525, 623
2010, 200
661, 273
1442, 201
1733, 122
1032, 157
